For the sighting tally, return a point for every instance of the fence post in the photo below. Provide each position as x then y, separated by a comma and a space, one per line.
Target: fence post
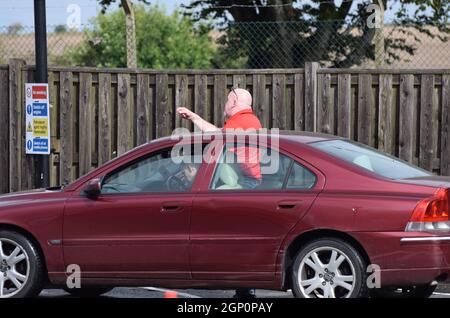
311, 69
15, 123
4, 131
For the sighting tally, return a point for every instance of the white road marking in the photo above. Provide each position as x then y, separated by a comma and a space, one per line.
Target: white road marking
163, 290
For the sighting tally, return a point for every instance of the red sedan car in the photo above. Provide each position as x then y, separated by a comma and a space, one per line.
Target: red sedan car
328, 217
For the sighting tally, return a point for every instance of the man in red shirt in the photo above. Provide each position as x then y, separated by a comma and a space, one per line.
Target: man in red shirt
238, 115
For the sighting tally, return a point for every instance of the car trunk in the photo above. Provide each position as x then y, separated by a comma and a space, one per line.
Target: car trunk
429, 181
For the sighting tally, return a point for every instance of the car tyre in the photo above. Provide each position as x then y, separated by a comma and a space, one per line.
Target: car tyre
329, 268
22, 270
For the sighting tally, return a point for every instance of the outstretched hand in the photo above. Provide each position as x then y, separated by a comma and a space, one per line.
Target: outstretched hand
199, 122
185, 113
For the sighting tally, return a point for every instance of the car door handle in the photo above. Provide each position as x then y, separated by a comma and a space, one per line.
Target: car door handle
284, 205
171, 207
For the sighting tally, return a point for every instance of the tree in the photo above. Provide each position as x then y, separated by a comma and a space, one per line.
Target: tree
60, 28
335, 31
162, 41
106, 3
15, 28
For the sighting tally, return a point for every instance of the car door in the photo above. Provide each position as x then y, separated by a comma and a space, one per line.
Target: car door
236, 232
137, 227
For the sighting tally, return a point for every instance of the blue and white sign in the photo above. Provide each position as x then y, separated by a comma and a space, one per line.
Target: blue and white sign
37, 119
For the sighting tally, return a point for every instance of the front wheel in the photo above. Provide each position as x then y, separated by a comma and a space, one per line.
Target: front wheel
329, 268
21, 266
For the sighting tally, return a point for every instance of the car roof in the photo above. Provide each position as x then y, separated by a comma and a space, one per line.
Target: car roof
304, 137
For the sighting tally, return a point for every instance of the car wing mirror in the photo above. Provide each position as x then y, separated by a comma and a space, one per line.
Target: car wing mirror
93, 189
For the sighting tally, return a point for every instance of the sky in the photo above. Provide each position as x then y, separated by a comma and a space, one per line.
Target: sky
59, 11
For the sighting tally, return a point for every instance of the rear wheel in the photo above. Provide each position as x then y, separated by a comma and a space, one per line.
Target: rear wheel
88, 291
21, 266
328, 268
420, 291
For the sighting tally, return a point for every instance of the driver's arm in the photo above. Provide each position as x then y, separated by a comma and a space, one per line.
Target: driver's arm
202, 124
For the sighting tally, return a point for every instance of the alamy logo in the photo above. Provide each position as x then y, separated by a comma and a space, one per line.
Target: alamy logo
73, 21
74, 277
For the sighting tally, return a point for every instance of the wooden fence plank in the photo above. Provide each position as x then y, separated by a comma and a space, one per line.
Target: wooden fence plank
85, 120
299, 98
365, 110
15, 123
182, 98
200, 86
325, 114
344, 128
279, 119
104, 119
67, 129
239, 81
54, 128
4, 132
220, 98
163, 113
386, 115
406, 111
124, 140
445, 124
311, 95
143, 111
426, 121
259, 100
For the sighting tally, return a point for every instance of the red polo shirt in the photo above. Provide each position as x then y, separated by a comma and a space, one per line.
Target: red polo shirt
245, 119
247, 156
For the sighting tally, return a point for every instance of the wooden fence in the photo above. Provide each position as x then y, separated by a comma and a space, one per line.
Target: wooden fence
100, 113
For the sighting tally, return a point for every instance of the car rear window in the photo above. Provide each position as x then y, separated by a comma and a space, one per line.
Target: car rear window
370, 159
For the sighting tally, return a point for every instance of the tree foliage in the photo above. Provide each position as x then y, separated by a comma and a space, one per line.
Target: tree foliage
335, 31
106, 3
162, 41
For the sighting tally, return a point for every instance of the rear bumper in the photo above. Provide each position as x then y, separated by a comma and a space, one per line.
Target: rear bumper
407, 258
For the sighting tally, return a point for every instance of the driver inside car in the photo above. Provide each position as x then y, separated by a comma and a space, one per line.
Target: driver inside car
183, 180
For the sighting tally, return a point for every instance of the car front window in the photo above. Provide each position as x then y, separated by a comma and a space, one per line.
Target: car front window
370, 159
154, 173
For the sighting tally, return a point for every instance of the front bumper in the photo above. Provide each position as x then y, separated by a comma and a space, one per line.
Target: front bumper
407, 258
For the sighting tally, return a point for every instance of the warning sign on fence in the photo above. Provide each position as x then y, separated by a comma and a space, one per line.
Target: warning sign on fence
37, 119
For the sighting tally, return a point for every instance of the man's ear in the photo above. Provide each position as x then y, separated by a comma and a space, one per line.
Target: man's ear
234, 103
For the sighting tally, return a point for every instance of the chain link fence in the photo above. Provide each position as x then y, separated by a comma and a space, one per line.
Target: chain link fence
290, 44
17, 41
268, 45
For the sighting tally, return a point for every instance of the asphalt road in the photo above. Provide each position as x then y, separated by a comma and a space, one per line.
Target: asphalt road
443, 291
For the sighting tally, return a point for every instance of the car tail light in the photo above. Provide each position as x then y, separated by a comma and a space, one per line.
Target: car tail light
431, 214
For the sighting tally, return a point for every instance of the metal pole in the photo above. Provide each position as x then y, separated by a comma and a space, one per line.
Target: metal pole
40, 32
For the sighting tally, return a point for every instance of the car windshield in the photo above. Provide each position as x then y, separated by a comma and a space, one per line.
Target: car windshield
370, 159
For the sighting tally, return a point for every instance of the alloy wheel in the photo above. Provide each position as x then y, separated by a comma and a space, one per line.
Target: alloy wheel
326, 272
14, 268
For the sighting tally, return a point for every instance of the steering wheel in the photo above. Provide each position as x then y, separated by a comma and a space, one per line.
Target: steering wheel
163, 171
174, 183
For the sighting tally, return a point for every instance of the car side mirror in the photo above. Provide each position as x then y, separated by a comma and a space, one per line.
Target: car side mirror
93, 188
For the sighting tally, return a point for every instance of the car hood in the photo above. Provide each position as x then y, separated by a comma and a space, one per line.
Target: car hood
25, 196
429, 181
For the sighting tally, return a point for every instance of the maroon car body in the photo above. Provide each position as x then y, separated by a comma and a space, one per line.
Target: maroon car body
234, 238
